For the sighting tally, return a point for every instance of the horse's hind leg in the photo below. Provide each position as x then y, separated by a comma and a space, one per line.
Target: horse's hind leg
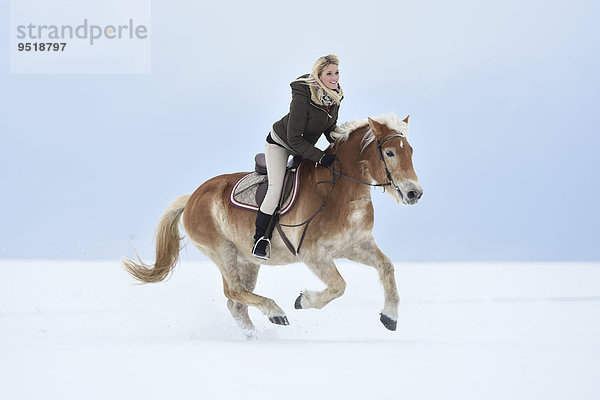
239, 277
237, 294
325, 270
238, 310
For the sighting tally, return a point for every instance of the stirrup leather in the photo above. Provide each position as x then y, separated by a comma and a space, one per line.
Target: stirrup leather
267, 252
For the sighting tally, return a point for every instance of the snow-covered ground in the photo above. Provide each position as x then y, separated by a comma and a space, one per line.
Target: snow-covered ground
84, 330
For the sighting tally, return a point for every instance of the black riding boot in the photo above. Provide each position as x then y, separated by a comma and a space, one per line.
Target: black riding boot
261, 241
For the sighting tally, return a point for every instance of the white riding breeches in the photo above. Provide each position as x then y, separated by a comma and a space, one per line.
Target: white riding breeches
276, 158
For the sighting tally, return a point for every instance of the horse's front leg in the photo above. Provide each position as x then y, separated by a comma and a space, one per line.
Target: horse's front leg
325, 269
368, 253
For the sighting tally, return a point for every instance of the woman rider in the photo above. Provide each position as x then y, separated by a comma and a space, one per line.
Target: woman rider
313, 111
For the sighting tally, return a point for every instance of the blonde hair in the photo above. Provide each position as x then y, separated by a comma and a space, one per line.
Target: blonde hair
322, 63
314, 79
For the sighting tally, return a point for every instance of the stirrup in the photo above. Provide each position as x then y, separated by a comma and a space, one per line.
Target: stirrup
267, 254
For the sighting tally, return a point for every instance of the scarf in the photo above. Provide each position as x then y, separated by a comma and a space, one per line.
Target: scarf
320, 96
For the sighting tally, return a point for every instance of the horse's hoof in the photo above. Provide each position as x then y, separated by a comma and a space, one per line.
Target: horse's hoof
298, 303
250, 334
388, 322
279, 320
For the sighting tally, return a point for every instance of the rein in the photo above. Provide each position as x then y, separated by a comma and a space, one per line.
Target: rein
333, 181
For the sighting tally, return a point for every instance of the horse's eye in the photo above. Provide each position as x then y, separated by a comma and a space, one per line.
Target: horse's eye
389, 153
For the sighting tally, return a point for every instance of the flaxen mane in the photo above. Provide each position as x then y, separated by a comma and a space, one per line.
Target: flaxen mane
342, 132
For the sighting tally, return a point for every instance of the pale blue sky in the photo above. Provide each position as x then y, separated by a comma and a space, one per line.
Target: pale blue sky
503, 98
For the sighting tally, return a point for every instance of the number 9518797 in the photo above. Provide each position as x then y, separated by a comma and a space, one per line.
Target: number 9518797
41, 46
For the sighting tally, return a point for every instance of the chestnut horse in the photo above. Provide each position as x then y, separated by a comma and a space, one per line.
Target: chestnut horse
371, 150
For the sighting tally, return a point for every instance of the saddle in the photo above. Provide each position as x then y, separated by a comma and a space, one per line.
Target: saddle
249, 192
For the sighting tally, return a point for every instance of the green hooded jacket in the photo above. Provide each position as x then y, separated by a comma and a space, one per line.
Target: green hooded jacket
302, 127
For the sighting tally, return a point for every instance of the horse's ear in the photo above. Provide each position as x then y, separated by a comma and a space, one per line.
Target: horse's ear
375, 126
406, 119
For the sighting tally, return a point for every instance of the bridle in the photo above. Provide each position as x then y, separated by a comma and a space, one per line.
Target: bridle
388, 174
333, 181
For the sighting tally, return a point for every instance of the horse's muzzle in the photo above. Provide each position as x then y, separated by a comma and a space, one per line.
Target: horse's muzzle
411, 191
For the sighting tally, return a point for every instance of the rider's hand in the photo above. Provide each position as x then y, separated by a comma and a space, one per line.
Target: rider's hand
327, 160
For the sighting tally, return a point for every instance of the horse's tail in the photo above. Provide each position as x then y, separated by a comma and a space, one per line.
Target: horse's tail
167, 246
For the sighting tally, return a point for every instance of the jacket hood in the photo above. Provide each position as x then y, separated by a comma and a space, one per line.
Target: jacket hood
316, 90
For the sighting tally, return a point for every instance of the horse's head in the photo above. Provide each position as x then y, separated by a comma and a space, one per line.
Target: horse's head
390, 158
